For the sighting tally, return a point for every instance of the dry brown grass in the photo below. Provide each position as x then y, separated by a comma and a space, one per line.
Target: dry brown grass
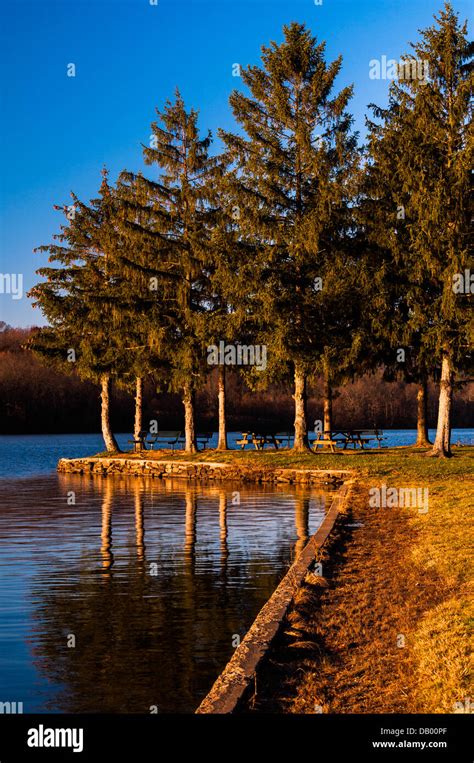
388, 629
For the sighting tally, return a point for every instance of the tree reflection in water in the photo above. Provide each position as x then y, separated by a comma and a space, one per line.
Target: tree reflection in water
145, 639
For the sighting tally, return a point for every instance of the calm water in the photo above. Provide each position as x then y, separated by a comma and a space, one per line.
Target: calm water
25, 455
152, 580
121, 594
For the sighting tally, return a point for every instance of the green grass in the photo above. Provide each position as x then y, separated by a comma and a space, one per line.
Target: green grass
443, 637
404, 461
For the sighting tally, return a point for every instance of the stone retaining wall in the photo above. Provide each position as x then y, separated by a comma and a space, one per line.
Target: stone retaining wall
240, 671
199, 470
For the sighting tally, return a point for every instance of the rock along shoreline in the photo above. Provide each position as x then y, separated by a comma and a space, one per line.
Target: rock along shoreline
199, 470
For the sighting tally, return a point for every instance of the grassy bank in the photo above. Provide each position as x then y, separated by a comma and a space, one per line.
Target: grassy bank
387, 627
405, 461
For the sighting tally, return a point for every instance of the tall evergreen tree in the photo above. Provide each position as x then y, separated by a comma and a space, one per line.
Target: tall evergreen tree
427, 131
175, 205
81, 299
147, 288
225, 317
291, 174
398, 311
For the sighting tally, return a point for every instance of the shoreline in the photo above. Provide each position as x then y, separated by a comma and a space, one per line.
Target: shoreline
201, 470
371, 635
233, 683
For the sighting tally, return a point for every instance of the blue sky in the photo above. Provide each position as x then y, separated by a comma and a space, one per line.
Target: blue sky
58, 131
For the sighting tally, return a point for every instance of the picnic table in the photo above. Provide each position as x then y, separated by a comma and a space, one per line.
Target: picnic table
346, 437
360, 437
326, 439
259, 440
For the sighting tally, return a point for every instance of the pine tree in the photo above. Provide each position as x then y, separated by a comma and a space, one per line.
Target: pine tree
174, 237
291, 183
225, 317
347, 338
147, 289
398, 311
81, 299
428, 132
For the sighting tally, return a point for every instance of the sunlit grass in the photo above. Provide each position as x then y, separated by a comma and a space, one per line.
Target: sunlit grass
445, 539
405, 461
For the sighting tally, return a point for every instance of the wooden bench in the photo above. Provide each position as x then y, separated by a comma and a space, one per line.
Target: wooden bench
203, 438
139, 443
166, 437
284, 437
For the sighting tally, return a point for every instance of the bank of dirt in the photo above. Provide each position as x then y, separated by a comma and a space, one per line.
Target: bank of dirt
382, 631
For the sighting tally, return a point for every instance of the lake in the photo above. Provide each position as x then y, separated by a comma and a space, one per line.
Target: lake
25, 455
130, 594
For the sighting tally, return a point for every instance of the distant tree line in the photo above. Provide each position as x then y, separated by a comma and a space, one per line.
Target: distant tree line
292, 244
38, 399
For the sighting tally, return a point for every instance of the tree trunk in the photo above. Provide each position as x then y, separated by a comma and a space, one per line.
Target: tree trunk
223, 528
106, 535
222, 443
190, 529
107, 434
139, 522
189, 429
442, 443
422, 439
301, 522
301, 433
327, 407
138, 408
